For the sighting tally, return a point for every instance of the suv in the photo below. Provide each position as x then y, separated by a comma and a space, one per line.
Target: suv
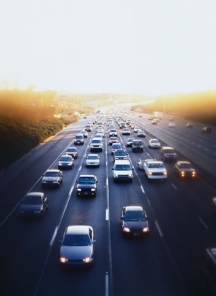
122, 171
113, 133
209, 271
120, 154
137, 145
168, 153
87, 185
79, 139
154, 169
52, 178
96, 145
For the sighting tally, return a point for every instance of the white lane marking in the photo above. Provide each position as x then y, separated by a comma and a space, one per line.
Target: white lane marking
142, 189
107, 214
79, 168
159, 229
54, 235
203, 223
106, 181
106, 284
174, 186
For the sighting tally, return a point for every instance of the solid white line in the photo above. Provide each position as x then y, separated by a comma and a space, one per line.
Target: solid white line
158, 228
54, 235
106, 284
203, 223
80, 168
142, 189
107, 214
106, 181
174, 186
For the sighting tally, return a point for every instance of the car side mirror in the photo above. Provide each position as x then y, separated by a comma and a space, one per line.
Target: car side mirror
112, 168
132, 169
122, 218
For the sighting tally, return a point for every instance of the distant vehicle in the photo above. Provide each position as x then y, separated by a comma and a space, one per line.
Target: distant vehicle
88, 128
154, 143
154, 121
137, 145
65, 162
171, 124
113, 133
96, 145
190, 125
122, 171
185, 169
34, 204
207, 130
129, 142
77, 246
84, 133
115, 146
134, 221
126, 131
141, 133
168, 153
93, 160
79, 139
136, 129
120, 154
113, 140
153, 169
72, 151
87, 185
52, 178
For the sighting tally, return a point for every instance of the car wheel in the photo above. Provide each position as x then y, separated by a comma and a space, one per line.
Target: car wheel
142, 150
114, 180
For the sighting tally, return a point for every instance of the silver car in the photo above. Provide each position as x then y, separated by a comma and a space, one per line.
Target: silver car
52, 178
77, 246
93, 160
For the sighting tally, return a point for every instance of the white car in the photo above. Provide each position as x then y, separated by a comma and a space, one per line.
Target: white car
93, 160
154, 143
96, 145
126, 131
171, 124
155, 169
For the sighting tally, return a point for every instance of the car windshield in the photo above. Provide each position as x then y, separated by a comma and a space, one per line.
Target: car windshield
71, 150
120, 153
78, 137
185, 166
86, 180
116, 146
120, 167
92, 157
156, 165
51, 174
76, 240
65, 158
96, 141
134, 216
154, 141
137, 143
32, 200
169, 151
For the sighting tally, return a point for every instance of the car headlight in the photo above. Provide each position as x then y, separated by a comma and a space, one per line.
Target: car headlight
165, 173
126, 229
78, 189
63, 260
193, 174
150, 173
87, 260
92, 189
145, 229
116, 175
182, 174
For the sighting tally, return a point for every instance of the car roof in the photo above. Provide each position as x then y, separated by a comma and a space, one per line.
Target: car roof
167, 147
122, 161
79, 134
92, 154
86, 176
78, 229
34, 194
183, 162
134, 208
53, 170
66, 155
75, 148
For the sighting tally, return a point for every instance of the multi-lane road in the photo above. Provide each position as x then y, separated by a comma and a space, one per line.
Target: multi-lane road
167, 263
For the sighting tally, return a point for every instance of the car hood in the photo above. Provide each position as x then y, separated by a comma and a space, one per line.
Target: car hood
76, 252
135, 225
30, 208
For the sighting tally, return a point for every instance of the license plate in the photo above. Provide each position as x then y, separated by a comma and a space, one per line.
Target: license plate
136, 234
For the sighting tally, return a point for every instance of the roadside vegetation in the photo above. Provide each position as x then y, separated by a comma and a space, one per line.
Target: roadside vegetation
27, 118
200, 107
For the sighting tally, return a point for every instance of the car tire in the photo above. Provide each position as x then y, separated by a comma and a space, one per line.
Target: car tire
114, 180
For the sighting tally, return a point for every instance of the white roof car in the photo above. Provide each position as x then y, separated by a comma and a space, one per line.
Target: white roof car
122, 171
93, 160
155, 169
154, 143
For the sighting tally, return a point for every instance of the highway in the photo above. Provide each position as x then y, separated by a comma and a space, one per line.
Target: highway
166, 263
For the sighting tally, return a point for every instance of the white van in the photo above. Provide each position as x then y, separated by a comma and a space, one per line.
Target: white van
122, 171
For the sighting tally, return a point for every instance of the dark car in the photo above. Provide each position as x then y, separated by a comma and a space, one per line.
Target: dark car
52, 178
65, 162
34, 204
88, 128
87, 185
79, 139
134, 221
168, 153
77, 246
137, 145
120, 154
207, 129
72, 151
129, 142
185, 169
84, 133
115, 146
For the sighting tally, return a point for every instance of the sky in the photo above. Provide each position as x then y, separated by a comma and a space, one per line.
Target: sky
148, 47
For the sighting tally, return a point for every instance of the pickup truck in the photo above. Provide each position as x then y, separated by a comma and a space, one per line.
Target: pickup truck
153, 169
